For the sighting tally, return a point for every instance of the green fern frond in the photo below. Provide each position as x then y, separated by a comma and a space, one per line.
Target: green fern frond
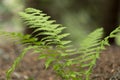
17, 61
13, 36
88, 53
18, 38
86, 56
112, 35
41, 23
23, 40
93, 40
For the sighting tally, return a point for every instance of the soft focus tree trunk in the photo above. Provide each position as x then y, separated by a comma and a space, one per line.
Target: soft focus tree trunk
109, 16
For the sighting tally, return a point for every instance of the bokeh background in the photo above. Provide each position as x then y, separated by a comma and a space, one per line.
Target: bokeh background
79, 16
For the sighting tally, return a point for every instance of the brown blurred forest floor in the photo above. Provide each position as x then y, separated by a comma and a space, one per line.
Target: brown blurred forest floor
30, 68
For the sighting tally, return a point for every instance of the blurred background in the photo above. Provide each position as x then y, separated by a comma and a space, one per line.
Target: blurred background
79, 16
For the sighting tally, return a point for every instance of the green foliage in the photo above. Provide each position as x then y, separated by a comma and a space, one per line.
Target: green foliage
117, 39
68, 62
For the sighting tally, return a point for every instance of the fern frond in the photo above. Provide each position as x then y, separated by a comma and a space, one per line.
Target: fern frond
112, 35
13, 36
93, 40
42, 26
86, 56
41, 23
90, 49
18, 38
17, 61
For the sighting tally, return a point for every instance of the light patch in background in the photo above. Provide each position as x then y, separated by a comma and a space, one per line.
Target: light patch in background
78, 24
12, 23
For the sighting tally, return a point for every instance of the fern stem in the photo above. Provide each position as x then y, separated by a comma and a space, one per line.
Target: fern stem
17, 61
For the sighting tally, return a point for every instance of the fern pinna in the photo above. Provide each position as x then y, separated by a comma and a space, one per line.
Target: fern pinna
67, 62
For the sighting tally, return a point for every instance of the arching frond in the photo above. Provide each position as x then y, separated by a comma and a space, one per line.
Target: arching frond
44, 26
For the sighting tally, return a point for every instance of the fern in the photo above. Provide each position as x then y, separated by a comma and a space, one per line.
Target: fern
35, 19
41, 23
68, 62
18, 38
